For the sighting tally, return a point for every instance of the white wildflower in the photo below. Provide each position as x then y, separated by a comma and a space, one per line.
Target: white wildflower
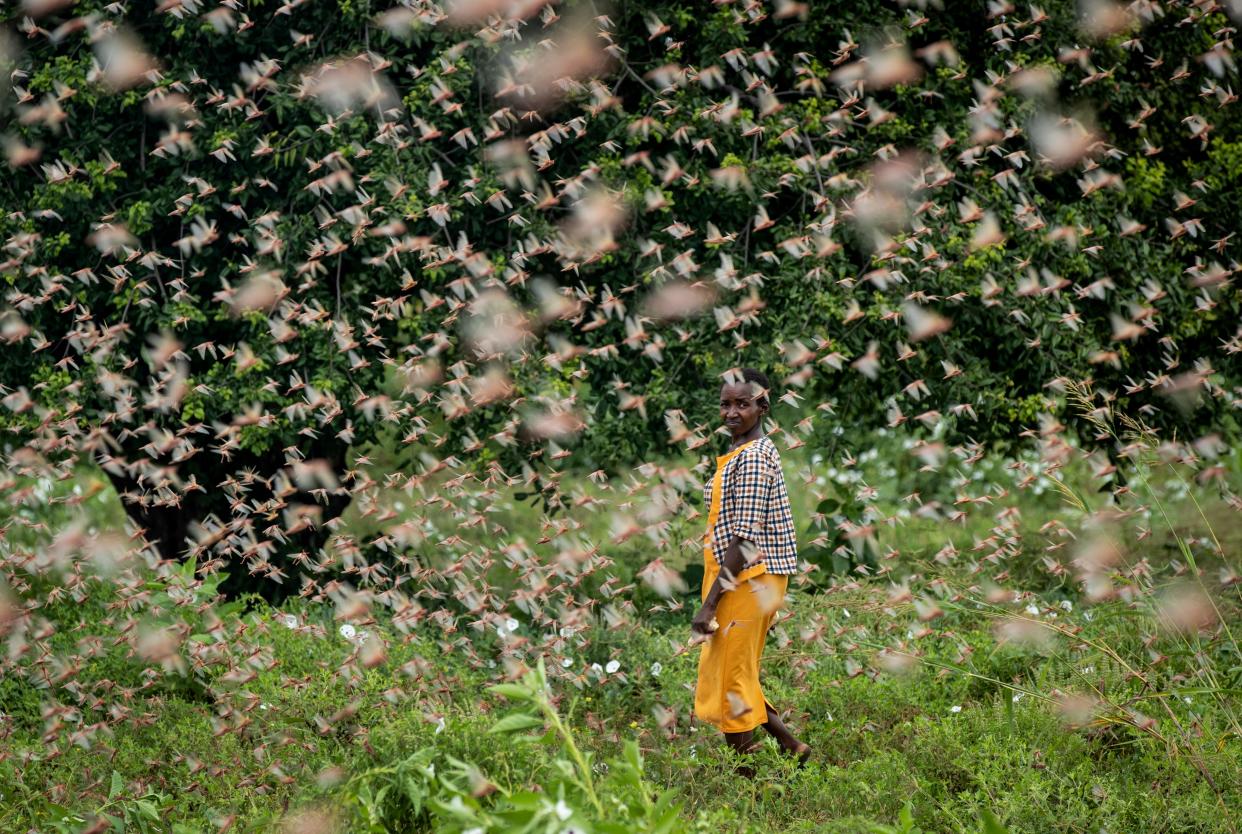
613, 665
347, 631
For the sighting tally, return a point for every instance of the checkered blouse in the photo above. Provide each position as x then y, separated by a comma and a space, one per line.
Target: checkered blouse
755, 506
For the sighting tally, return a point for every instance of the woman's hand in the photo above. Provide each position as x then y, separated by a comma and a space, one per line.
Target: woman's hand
704, 622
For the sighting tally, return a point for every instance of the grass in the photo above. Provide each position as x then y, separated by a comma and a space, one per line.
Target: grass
931, 699
881, 742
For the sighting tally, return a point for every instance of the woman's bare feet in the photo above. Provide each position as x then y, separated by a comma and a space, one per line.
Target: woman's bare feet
803, 752
789, 744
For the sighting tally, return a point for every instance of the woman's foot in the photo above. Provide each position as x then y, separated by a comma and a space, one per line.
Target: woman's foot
801, 751
788, 743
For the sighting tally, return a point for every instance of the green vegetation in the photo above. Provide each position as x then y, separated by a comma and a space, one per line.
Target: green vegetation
358, 367
935, 701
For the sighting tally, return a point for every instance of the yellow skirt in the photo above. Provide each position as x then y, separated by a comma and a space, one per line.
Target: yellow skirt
727, 695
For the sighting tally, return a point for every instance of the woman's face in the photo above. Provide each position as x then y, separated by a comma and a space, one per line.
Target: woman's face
739, 407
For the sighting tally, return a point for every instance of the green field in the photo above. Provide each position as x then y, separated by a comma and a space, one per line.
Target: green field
932, 699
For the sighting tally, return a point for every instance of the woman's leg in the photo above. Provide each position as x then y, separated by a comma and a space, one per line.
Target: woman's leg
777, 729
774, 725
787, 740
744, 744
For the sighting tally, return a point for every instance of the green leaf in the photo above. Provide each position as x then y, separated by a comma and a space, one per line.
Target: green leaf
633, 755
118, 785
991, 825
514, 723
148, 809
511, 690
906, 818
666, 812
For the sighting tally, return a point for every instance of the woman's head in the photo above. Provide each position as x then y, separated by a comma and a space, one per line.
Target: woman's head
744, 400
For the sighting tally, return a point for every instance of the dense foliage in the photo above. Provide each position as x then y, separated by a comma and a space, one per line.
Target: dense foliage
224, 257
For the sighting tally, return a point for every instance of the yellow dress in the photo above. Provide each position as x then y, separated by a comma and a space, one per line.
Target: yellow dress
727, 695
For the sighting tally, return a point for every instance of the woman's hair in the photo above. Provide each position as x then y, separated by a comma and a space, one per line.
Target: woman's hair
761, 379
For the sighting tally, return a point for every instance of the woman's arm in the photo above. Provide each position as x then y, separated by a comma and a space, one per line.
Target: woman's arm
730, 566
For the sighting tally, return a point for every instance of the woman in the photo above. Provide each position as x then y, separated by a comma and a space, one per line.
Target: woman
749, 552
